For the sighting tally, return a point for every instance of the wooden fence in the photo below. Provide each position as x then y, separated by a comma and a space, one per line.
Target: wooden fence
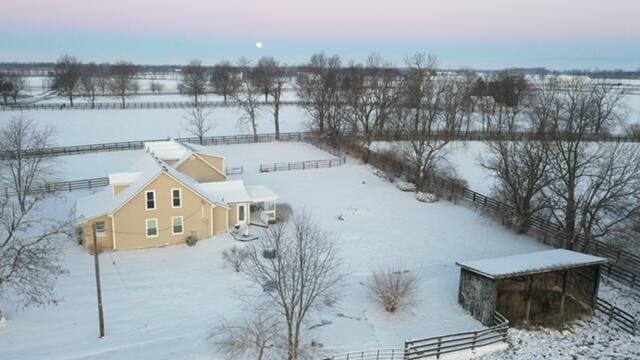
381, 354
139, 144
624, 267
70, 185
619, 317
290, 136
133, 105
303, 165
439, 345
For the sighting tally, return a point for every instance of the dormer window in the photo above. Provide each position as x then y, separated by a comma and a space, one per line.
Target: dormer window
150, 197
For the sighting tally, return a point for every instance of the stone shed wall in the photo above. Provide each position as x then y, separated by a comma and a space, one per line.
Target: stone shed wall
478, 295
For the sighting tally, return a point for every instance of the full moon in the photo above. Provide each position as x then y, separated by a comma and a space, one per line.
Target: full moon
258, 44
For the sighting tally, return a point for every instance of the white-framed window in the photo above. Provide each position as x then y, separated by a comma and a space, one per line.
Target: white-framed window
101, 229
150, 200
176, 198
152, 227
177, 225
242, 215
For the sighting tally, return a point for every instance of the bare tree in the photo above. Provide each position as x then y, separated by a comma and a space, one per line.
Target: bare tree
66, 76
318, 87
520, 168
30, 241
18, 86
264, 75
6, 88
247, 98
589, 182
194, 80
123, 82
22, 173
199, 122
156, 87
224, 80
303, 275
369, 95
89, 82
394, 288
251, 337
429, 121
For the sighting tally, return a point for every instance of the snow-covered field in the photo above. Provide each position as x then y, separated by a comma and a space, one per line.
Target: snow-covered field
163, 302
78, 127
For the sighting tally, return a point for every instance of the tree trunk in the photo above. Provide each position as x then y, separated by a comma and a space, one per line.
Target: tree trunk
71, 99
276, 116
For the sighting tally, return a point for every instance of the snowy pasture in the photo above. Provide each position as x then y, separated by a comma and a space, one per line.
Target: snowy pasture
80, 127
163, 303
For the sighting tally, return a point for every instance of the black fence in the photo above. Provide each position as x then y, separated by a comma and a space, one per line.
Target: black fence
139, 144
624, 267
617, 316
291, 136
303, 165
135, 105
70, 185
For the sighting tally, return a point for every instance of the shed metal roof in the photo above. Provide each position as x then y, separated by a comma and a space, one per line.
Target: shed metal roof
531, 263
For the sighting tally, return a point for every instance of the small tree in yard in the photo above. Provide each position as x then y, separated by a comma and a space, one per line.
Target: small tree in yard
251, 338
303, 276
199, 122
235, 257
30, 241
394, 289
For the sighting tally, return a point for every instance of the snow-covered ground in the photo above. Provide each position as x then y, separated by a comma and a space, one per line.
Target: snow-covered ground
163, 303
78, 127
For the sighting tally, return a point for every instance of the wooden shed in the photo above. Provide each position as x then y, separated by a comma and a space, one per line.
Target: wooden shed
550, 284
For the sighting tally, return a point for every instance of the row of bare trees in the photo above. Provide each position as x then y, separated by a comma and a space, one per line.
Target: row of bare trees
70, 77
591, 189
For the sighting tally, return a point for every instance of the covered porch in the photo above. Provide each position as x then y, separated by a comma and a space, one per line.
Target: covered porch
263, 205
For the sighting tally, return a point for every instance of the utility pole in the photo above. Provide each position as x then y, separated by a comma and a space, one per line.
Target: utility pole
98, 289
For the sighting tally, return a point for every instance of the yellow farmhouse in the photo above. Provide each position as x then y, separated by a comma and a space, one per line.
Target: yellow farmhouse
173, 191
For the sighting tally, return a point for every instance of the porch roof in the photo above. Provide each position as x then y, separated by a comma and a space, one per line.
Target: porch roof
261, 193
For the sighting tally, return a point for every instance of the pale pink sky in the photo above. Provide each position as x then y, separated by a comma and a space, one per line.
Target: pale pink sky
350, 19
486, 33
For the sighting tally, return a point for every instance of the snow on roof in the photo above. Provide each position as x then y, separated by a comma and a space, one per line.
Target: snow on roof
261, 193
531, 263
201, 149
123, 178
94, 205
229, 192
103, 202
167, 150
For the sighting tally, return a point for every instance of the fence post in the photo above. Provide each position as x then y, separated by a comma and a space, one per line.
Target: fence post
473, 344
439, 346
406, 350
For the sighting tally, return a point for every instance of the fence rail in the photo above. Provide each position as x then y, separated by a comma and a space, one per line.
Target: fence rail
382, 354
303, 165
439, 345
623, 319
293, 136
60, 186
139, 144
133, 105
625, 266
